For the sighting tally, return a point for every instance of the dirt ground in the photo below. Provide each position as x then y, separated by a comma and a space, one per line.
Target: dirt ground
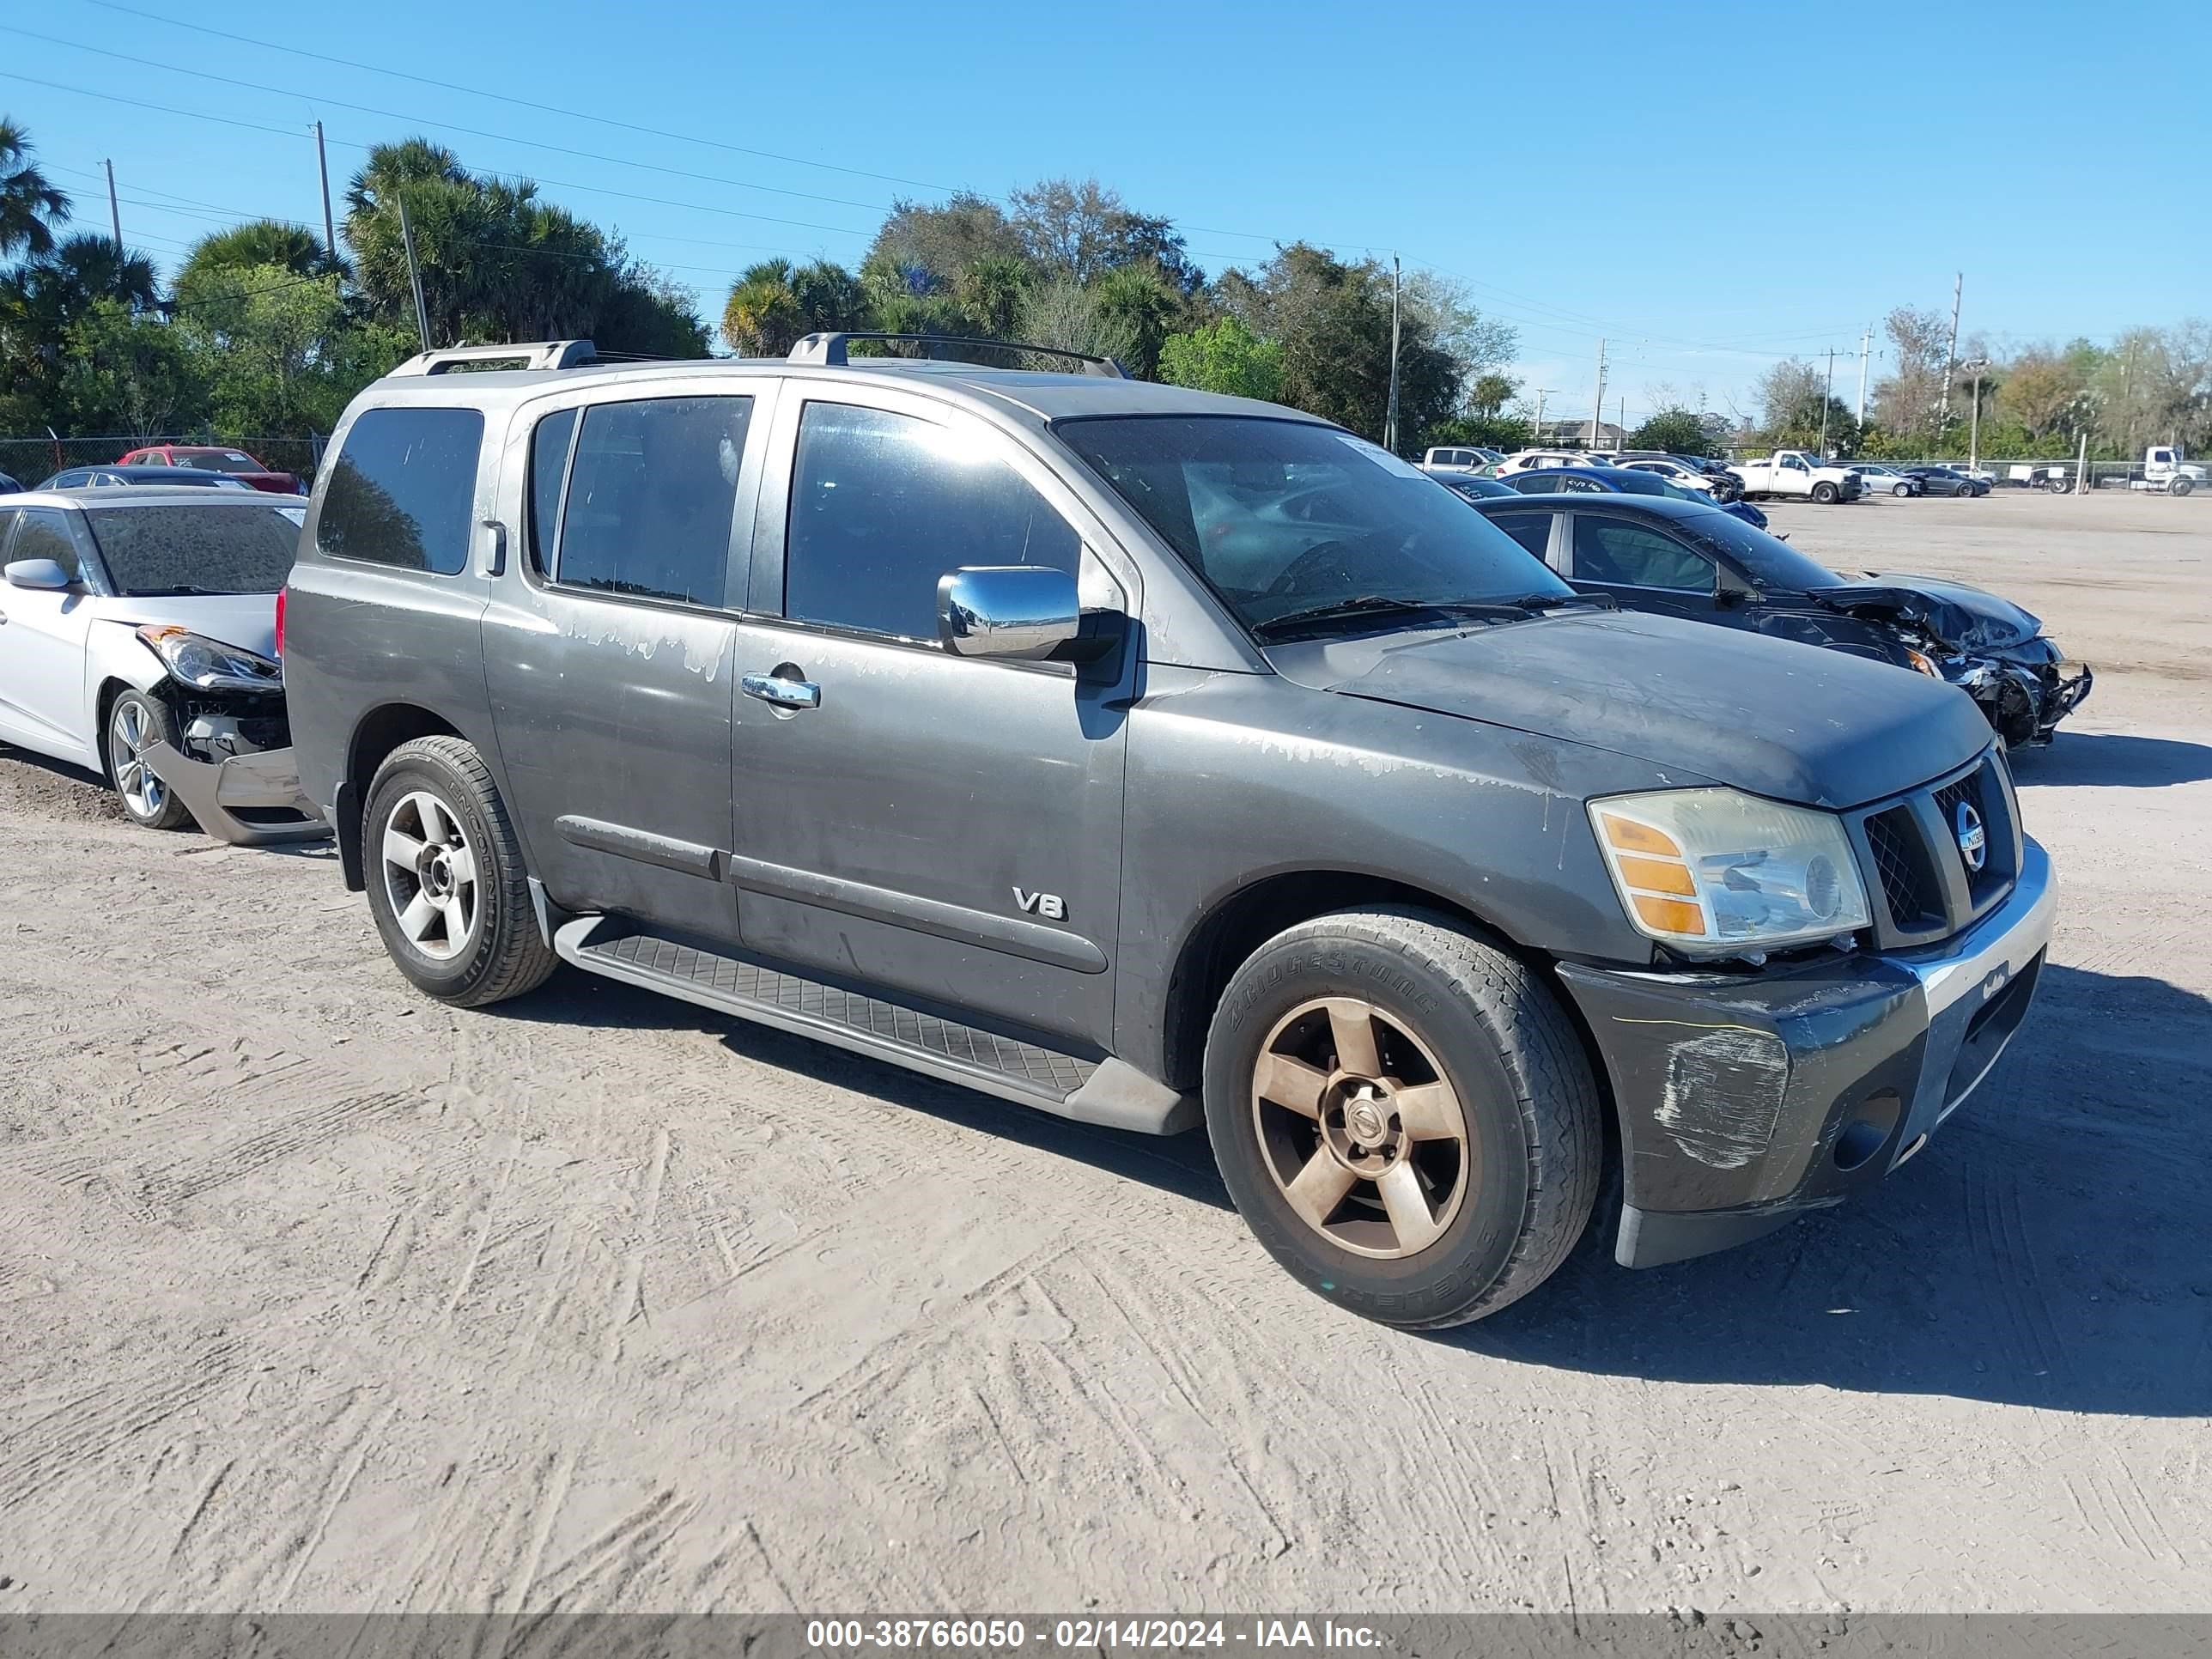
314, 1295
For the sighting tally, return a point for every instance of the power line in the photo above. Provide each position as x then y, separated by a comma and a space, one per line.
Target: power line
450, 126
523, 103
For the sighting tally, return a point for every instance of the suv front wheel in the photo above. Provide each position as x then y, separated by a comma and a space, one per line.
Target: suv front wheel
1404, 1115
446, 879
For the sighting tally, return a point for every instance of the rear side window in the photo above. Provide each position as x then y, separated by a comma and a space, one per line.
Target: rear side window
882, 505
1532, 529
651, 491
1627, 555
403, 490
549, 463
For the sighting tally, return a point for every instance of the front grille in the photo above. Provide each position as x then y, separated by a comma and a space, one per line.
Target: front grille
1911, 851
1914, 895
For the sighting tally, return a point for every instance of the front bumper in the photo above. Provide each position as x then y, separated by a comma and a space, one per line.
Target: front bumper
1744, 1103
264, 784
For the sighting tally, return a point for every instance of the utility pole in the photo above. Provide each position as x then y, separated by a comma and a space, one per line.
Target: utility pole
414, 272
1536, 432
1597, 401
1974, 430
323, 167
1828, 396
1866, 345
1390, 414
114, 213
1951, 351
1623, 444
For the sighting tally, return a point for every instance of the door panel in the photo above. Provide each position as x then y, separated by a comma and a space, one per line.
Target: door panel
946, 827
610, 650
42, 644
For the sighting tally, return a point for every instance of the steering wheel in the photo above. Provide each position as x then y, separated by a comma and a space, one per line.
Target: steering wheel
1316, 561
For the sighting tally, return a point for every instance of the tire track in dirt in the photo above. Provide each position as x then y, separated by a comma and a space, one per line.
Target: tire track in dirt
70, 1442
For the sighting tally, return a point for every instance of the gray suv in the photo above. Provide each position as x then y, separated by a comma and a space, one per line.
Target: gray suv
1151, 758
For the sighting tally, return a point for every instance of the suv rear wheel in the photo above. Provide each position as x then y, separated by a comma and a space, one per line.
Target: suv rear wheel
1404, 1115
446, 879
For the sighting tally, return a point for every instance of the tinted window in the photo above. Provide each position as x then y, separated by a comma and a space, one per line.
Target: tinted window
403, 490
548, 461
1537, 484
1532, 529
882, 505
192, 549
45, 535
1769, 561
1611, 550
651, 493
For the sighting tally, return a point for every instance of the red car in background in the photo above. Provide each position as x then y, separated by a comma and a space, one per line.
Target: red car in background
215, 458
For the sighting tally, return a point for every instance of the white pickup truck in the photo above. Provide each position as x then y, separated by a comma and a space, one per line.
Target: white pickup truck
1794, 472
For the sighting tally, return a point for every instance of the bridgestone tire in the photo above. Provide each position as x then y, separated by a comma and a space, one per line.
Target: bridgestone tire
504, 955
1499, 1036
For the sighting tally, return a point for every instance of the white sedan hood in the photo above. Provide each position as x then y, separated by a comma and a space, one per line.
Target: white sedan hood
248, 620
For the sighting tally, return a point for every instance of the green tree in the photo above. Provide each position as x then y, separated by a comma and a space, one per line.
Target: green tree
989, 295
1060, 311
923, 248
1139, 298
1488, 394
773, 305
30, 208
258, 242
1678, 431
1332, 320
1223, 356
498, 264
127, 373
40, 299
281, 353
1083, 230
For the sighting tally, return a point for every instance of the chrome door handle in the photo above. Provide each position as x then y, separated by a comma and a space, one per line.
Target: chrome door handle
783, 693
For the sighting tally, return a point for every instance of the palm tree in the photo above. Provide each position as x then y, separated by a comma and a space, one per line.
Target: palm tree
251, 246
30, 208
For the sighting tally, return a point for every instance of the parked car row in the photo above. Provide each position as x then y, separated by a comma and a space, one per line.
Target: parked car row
1134, 755
172, 465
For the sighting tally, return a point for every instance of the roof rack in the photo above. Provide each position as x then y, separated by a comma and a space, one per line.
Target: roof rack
530, 354
828, 350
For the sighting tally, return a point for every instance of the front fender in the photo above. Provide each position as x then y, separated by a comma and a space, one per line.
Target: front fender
114, 655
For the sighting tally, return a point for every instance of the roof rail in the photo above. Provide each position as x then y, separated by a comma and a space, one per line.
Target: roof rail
829, 350
529, 353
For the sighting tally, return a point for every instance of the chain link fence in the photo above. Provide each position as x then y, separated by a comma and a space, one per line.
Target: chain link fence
30, 461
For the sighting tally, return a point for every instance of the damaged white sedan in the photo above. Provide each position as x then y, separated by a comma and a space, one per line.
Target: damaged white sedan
138, 637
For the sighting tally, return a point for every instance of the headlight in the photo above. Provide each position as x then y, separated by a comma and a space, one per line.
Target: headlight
208, 664
1714, 873
1922, 661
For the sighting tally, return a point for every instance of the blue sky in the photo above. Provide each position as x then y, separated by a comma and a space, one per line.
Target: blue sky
1708, 188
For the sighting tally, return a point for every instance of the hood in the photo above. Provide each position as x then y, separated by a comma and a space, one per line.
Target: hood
1789, 722
242, 619
1962, 617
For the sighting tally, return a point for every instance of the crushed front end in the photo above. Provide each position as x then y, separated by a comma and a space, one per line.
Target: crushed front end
232, 765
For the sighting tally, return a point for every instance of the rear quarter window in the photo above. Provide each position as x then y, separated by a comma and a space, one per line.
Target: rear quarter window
403, 490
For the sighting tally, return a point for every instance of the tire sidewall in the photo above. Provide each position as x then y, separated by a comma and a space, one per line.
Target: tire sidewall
402, 775
1478, 1246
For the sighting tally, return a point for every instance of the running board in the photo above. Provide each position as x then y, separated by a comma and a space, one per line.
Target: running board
1108, 1092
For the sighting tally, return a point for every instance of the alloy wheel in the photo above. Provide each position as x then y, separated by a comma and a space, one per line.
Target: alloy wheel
130, 734
430, 875
1363, 1134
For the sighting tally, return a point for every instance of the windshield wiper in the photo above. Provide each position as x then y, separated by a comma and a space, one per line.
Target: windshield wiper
182, 591
1361, 604
1554, 601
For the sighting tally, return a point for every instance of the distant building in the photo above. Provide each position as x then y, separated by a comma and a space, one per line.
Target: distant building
1609, 436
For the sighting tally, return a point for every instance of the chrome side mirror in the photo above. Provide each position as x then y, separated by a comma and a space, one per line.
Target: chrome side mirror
1024, 611
37, 573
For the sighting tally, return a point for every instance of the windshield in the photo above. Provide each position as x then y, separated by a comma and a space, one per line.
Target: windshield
1284, 516
219, 460
1767, 560
190, 548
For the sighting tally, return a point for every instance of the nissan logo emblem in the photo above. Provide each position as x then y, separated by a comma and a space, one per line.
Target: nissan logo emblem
1973, 839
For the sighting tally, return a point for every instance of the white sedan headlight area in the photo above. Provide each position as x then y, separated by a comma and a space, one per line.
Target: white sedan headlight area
208, 664
1715, 872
